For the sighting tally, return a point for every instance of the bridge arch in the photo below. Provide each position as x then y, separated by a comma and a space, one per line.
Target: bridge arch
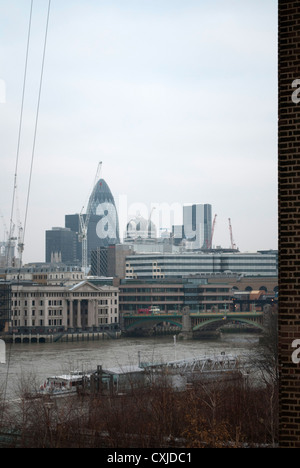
215, 323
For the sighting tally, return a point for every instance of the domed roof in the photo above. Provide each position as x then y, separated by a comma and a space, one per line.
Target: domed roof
140, 227
100, 194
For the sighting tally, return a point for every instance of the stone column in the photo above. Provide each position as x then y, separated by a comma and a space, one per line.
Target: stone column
91, 313
79, 324
65, 313
96, 312
71, 303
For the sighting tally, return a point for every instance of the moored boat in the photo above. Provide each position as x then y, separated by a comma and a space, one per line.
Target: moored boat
64, 384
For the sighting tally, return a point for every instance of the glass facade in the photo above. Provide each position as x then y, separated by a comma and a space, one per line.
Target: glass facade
180, 265
5, 304
61, 246
197, 294
197, 225
103, 226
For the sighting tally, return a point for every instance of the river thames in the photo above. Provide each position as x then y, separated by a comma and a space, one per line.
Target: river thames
36, 361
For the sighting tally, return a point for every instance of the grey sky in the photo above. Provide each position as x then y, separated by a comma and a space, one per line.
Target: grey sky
177, 98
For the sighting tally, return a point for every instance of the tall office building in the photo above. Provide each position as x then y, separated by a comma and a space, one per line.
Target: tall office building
5, 305
73, 222
103, 223
197, 225
61, 246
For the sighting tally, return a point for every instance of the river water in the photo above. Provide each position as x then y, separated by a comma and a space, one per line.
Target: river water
36, 361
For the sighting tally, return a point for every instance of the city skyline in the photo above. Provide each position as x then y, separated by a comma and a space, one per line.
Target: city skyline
178, 100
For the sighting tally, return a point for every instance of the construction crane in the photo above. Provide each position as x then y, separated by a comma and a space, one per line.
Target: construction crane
20, 238
149, 222
10, 246
84, 222
233, 246
209, 243
20, 245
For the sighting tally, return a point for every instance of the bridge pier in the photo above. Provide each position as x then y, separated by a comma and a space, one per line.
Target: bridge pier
186, 331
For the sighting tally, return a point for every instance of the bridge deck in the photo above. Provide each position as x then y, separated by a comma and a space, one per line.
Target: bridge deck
197, 320
195, 314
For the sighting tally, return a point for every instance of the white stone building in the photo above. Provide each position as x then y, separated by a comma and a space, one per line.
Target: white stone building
81, 306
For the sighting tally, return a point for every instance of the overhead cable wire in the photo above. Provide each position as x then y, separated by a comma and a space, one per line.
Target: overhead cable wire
15, 188
19, 138
32, 156
36, 122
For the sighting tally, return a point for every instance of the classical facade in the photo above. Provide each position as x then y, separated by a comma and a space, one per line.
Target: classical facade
81, 306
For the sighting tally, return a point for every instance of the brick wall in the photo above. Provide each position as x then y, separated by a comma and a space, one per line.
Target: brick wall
289, 222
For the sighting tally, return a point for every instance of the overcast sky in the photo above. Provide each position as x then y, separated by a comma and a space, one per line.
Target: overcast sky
177, 98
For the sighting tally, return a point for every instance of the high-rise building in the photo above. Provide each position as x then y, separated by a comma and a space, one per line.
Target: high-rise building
5, 305
73, 222
61, 246
197, 225
99, 262
103, 223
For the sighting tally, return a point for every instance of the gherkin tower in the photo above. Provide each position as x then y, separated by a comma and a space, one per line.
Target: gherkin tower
103, 223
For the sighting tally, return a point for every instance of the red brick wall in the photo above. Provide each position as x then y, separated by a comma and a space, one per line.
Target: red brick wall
289, 222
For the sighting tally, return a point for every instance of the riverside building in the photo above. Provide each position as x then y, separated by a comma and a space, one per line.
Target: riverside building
199, 294
155, 266
81, 306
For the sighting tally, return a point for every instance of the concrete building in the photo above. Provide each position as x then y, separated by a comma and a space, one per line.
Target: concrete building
195, 233
197, 225
199, 294
152, 266
5, 303
110, 261
61, 246
83, 306
73, 222
44, 273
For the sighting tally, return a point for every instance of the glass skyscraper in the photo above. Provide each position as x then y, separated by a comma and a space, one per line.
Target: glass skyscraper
103, 223
197, 225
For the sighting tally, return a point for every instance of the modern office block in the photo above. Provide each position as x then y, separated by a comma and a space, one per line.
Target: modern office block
99, 262
149, 266
61, 246
197, 225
